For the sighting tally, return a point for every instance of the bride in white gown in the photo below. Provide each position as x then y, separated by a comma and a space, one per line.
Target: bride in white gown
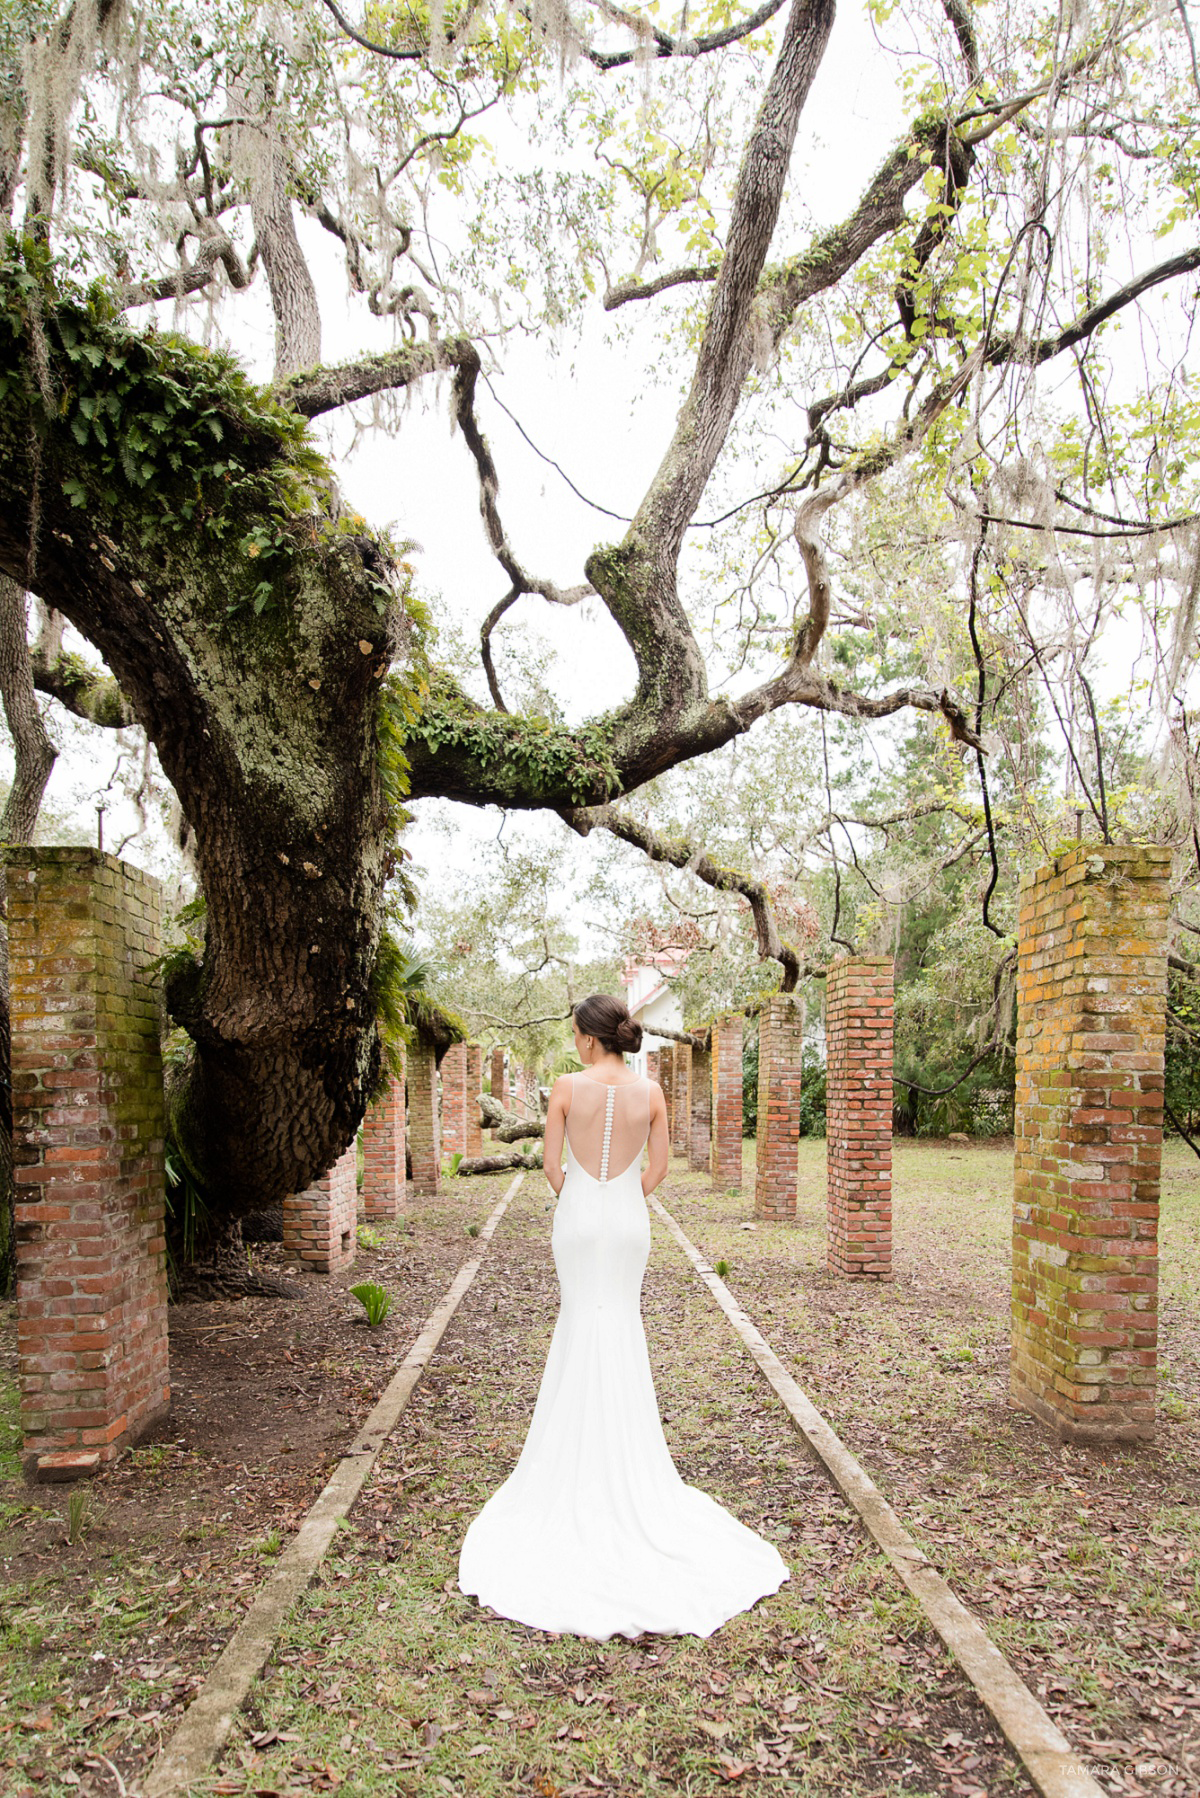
594, 1533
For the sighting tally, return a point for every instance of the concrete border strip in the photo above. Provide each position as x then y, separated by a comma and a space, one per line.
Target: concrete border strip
206, 1723
1052, 1764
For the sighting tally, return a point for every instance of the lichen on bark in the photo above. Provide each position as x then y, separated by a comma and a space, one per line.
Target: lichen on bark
249, 627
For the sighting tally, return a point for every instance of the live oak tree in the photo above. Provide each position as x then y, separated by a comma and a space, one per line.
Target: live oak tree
270, 644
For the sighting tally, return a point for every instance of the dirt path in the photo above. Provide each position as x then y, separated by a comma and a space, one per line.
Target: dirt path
102, 1642
389, 1680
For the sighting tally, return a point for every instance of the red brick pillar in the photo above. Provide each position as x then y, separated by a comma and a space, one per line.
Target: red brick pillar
700, 1132
780, 1047
1092, 982
383, 1153
88, 1128
858, 1129
666, 1079
654, 1065
473, 1086
454, 1100
683, 1098
422, 1119
727, 1104
320, 1224
499, 1078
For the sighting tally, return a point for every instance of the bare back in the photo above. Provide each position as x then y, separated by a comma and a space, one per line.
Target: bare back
607, 1126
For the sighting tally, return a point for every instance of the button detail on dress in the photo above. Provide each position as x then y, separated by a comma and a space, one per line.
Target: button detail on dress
609, 1102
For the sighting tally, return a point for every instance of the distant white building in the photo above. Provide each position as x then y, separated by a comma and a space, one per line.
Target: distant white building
651, 1000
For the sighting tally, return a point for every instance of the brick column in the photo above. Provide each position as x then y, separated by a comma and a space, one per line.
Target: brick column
780, 1046
683, 1098
654, 1065
727, 1104
499, 1078
422, 1119
858, 1129
666, 1079
383, 1153
472, 1087
320, 1224
700, 1133
454, 1100
1092, 982
88, 1129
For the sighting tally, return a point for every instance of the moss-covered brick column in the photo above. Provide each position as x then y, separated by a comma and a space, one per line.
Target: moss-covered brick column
383, 1152
499, 1079
666, 1079
727, 1104
320, 1224
858, 1128
88, 1130
700, 1130
780, 1046
472, 1121
1092, 983
683, 1098
454, 1100
422, 1119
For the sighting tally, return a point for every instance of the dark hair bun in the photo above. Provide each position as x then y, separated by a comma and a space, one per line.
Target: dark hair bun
608, 1020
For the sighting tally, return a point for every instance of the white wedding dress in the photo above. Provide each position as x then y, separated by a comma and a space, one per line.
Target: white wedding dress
594, 1533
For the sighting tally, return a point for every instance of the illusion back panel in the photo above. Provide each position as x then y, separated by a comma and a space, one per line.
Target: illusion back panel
586, 1121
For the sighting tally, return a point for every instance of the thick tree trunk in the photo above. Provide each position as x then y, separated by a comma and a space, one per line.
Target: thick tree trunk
34, 753
34, 756
223, 1268
265, 725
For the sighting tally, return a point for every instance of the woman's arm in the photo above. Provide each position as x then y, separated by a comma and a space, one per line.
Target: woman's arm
659, 1144
556, 1124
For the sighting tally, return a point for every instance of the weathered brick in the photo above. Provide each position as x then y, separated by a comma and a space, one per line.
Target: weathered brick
682, 1122
454, 1100
726, 1113
780, 1046
84, 932
1091, 998
858, 1128
320, 1224
700, 1125
383, 1184
499, 1077
422, 1115
666, 1079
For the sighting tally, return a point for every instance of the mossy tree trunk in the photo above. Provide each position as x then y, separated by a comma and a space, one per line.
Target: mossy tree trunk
265, 722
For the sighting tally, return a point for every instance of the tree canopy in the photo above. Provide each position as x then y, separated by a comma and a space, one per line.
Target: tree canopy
929, 458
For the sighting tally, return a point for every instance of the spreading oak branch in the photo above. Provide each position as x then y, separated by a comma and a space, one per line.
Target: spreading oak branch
680, 853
